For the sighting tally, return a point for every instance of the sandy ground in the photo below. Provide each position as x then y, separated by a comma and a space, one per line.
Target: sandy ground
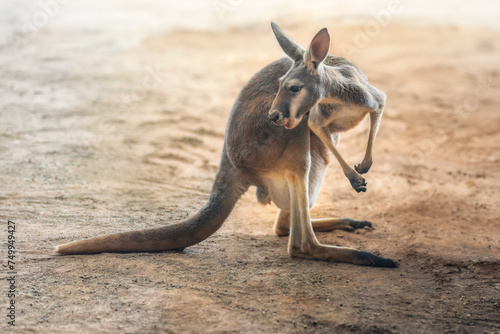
100, 135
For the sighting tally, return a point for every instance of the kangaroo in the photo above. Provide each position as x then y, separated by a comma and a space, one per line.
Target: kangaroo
266, 145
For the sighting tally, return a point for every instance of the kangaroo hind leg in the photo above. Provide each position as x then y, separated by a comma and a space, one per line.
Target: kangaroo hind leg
302, 240
344, 223
282, 224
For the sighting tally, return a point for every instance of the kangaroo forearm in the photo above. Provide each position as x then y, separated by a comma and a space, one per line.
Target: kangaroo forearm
324, 135
375, 118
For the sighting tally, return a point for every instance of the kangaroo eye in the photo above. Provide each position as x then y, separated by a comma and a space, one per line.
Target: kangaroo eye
295, 89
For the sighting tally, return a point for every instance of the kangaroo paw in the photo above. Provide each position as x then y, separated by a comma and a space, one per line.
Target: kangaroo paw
358, 183
362, 168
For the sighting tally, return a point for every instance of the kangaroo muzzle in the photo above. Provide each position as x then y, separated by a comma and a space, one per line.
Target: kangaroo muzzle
279, 119
276, 117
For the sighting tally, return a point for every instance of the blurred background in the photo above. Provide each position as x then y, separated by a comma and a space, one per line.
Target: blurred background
112, 118
137, 18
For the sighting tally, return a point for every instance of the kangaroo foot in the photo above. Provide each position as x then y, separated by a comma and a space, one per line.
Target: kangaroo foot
359, 224
330, 224
343, 254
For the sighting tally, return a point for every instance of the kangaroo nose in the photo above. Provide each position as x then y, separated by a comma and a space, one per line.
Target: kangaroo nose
275, 116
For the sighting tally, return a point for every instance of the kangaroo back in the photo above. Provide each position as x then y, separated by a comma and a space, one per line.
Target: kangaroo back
226, 191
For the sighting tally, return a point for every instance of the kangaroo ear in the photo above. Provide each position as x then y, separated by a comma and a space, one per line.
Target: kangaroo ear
318, 49
292, 49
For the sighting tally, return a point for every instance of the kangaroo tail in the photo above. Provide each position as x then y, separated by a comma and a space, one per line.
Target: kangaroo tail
226, 191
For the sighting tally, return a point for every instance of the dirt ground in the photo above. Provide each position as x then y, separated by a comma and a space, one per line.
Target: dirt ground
101, 134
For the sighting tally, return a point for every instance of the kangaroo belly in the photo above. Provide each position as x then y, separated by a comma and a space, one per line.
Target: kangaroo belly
279, 192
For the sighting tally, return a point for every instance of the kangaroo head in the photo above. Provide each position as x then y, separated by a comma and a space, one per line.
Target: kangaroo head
299, 88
